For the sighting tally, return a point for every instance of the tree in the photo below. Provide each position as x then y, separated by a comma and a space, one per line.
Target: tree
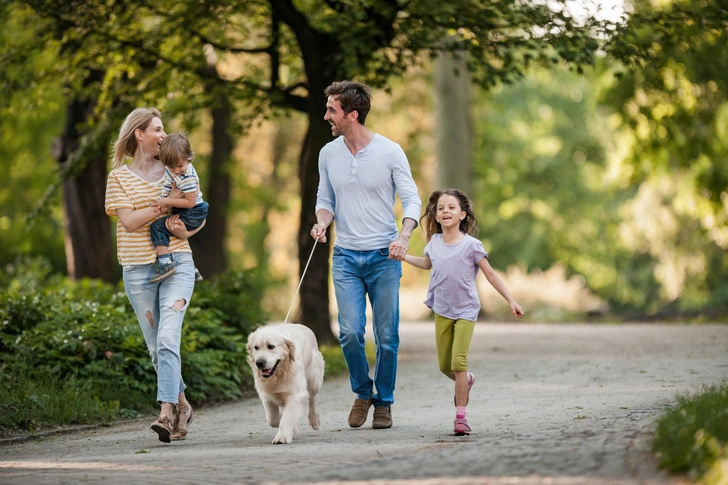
544, 192
454, 123
375, 40
672, 97
293, 50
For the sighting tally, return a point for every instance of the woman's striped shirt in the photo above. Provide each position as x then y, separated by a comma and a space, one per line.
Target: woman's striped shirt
126, 190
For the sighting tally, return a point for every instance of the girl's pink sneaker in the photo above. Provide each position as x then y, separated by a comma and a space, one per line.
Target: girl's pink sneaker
461, 427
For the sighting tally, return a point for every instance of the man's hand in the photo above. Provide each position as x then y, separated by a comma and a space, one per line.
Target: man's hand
318, 232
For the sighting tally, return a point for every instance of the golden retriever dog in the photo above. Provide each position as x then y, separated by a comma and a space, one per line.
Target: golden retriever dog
288, 370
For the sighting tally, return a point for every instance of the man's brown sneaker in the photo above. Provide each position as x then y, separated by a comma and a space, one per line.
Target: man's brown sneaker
382, 418
359, 412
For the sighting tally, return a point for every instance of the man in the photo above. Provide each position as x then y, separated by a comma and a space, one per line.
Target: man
360, 172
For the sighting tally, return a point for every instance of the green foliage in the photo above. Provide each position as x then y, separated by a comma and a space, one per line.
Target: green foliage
334, 363
672, 100
64, 336
30, 400
693, 436
545, 192
236, 295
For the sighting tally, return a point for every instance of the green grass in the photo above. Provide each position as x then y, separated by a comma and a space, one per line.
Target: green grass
692, 438
31, 402
335, 365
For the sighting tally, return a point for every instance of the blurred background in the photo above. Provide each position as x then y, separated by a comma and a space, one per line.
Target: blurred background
591, 138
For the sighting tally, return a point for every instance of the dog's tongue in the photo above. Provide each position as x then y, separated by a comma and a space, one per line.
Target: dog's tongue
267, 372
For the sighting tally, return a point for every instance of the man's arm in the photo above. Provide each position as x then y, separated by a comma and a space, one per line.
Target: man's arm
406, 188
325, 202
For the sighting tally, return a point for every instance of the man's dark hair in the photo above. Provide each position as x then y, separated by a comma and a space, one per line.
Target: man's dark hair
352, 96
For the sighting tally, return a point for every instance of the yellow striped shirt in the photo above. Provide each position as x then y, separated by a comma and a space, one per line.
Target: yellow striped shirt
126, 190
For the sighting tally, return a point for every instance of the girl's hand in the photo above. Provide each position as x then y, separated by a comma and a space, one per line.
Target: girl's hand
517, 310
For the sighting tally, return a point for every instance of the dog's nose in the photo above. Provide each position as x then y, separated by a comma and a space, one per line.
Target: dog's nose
260, 363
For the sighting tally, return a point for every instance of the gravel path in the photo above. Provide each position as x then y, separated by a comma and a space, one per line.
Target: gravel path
552, 404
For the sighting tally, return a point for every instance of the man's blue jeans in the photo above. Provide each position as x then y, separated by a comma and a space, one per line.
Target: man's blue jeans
356, 274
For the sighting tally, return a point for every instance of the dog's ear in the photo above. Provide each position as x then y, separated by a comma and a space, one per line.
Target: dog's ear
249, 349
290, 348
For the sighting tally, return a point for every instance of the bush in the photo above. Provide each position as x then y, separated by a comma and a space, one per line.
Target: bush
84, 338
693, 437
334, 363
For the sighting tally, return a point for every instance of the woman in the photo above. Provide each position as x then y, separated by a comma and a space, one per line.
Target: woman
160, 307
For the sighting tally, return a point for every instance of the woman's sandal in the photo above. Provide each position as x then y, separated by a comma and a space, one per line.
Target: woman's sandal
163, 427
180, 433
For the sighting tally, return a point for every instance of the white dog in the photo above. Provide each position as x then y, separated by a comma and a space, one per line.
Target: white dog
288, 370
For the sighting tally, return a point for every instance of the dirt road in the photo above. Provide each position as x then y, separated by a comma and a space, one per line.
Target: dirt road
553, 404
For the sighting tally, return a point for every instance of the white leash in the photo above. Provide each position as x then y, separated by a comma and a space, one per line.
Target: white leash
300, 282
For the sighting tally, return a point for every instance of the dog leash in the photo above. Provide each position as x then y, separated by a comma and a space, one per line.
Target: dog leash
300, 282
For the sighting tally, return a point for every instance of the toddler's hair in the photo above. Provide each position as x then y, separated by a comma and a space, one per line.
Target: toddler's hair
469, 224
174, 147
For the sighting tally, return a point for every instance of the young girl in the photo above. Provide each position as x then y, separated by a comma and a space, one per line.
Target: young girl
454, 256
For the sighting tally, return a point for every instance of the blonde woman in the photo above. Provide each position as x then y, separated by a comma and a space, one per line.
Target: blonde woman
132, 189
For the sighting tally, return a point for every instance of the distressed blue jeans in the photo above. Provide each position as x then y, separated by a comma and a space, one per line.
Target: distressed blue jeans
161, 322
357, 274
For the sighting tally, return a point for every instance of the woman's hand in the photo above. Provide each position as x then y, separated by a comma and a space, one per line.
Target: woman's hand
178, 228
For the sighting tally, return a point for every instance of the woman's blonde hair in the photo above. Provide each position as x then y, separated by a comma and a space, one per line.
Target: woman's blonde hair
126, 144
469, 225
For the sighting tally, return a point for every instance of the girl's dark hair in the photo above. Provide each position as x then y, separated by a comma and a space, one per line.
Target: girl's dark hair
352, 96
469, 224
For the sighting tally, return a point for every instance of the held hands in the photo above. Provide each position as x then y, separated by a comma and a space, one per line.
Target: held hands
398, 247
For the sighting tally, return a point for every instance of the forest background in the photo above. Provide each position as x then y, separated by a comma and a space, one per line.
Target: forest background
597, 169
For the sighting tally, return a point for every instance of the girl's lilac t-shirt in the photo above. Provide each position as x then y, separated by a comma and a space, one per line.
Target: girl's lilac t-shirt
452, 293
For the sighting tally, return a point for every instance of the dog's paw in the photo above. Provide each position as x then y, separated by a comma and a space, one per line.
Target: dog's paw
282, 438
314, 421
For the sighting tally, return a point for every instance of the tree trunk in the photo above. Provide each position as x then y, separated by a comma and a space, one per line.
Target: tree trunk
208, 246
314, 295
454, 126
87, 237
